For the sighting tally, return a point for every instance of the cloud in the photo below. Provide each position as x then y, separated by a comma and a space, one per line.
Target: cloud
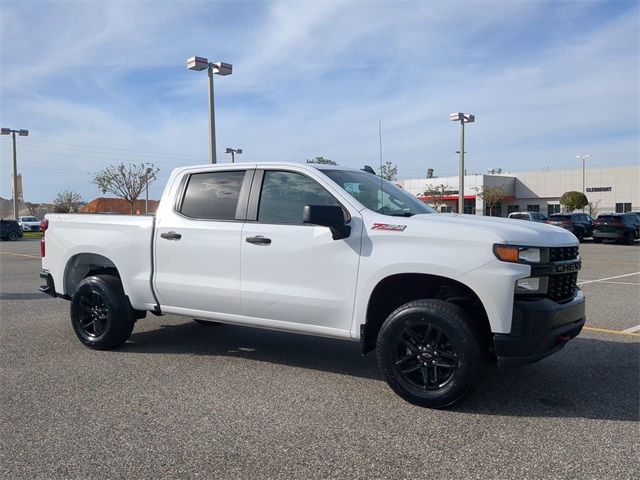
546, 81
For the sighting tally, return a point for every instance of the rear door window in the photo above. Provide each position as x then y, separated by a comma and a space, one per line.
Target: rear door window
212, 195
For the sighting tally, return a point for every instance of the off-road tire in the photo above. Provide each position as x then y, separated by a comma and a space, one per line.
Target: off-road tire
101, 315
455, 326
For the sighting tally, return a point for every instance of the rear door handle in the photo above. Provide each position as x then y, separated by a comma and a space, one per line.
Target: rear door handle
258, 240
171, 236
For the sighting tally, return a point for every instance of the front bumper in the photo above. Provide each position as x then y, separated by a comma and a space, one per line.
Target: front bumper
539, 328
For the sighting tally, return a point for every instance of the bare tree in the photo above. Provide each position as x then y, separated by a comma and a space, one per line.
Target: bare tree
67, 201
322, 161
126, 181
491, 196
32, 207
388, 171
436, 193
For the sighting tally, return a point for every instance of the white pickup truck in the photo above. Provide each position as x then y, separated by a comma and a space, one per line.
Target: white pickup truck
326, 251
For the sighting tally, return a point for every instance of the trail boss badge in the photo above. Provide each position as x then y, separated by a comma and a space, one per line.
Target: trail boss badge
387, 226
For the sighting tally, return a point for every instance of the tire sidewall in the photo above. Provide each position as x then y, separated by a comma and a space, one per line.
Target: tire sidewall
461, 336
13, 236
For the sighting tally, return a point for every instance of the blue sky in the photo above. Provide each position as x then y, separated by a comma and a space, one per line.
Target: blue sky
99, 82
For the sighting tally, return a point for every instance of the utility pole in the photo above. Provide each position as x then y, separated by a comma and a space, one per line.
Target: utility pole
22, 133
462, 118
584, 188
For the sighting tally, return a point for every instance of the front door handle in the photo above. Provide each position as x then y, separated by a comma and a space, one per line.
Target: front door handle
171, 236
258, 240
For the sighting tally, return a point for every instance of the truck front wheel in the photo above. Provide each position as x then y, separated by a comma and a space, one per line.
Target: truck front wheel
428, 353
100, 313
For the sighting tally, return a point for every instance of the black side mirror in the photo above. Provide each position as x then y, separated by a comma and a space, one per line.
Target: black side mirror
330, 216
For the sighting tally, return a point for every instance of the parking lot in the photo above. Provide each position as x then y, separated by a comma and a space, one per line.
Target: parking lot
185, 401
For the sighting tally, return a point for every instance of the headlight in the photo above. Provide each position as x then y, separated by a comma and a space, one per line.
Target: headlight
516, 254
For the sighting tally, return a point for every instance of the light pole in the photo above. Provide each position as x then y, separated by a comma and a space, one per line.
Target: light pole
219, 68
233, 152
146, 197
462, 118
22, 133
583, 157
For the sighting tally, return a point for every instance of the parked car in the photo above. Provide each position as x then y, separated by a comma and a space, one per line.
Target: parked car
10, 230
29, 223
623, 227
325, 251
531, 216
580, 224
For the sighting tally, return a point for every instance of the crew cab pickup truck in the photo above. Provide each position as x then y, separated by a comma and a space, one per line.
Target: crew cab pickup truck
325, 251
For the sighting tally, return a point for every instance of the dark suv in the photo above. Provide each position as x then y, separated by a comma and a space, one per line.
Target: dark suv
10, 230
616, 226
580, 224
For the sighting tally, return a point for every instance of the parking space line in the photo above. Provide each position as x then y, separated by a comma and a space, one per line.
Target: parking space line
608, 278
21, 255
620, 283
632, 329
615, 332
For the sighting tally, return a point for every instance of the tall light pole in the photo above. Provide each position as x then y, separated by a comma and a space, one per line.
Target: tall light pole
146, 195
462, 118
218, 68
583, 157
22, 133
233, 152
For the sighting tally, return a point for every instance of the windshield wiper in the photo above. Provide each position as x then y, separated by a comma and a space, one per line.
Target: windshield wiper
403, 214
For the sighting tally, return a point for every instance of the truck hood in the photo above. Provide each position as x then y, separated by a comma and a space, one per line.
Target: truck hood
511, 231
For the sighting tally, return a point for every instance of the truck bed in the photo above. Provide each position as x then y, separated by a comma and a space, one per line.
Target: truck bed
77, 239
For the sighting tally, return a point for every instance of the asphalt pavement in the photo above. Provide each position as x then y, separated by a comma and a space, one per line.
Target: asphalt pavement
181, 400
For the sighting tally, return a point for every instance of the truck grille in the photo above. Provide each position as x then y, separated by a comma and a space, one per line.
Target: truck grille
562, 287
563, 253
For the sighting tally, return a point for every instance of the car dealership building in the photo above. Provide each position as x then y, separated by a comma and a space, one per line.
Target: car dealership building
612, 189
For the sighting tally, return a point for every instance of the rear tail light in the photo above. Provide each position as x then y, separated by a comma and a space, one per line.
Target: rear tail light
44, 224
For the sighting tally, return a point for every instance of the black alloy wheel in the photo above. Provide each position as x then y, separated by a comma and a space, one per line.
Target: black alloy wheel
430, 352
13, 236
101, 315
425, 357
94, 314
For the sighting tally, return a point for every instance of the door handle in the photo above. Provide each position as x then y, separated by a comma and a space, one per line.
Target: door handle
171, 236
258, 240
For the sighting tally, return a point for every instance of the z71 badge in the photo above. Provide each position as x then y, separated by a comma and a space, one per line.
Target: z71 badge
387, 226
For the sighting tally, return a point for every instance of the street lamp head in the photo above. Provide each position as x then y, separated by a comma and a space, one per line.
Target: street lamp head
456, 116
23, 133
197, 63
222, 68
228, 150
239, 150
469, 118
5, 131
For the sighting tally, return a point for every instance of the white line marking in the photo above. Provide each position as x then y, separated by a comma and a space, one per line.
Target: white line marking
608, 278
621, 283
632, 329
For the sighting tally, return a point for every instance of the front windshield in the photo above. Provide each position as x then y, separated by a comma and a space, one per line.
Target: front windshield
377, 194
29, 219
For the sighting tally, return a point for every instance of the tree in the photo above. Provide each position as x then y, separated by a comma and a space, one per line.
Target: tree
388, 171
492, 196
322, 161
574, 200
67, 201
436, 193
32, 207
126, 181
593, 208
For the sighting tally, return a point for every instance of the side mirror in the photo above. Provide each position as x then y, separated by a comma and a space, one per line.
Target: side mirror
331, 216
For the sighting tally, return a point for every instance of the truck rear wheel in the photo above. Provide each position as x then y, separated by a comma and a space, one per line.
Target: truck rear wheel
429, 354
100, 313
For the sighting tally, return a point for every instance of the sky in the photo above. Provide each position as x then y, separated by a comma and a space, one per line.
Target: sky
101, 82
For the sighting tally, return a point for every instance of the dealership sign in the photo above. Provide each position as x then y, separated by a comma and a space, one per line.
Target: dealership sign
598, 189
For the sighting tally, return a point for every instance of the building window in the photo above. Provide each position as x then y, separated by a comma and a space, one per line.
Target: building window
623, 207
493, 210
513, 208
551, 209
533, 208
470, 207
445, 209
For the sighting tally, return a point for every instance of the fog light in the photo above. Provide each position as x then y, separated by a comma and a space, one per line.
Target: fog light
532, 285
